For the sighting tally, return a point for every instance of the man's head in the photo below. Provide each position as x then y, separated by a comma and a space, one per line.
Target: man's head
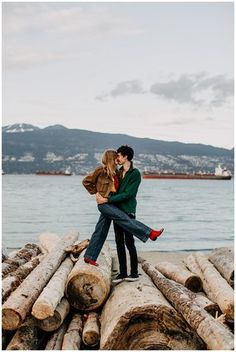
124, 153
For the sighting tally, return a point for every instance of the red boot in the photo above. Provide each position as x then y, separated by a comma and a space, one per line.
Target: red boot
90, 261
155, 233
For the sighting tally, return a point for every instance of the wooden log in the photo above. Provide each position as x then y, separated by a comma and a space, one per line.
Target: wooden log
19, 257
191, 263
214, 334
211, 307
27, 337
76, 249
20, 302
223, 260
215, 286
14, 279
137, 316
91, 330
55, 342
48, 241
88, 286
72, 337
54, 322
52, 294
180, 275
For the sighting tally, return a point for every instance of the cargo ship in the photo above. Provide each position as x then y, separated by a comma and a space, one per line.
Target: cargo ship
67, 172
220, 174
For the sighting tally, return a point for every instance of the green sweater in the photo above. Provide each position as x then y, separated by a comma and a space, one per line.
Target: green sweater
125, 198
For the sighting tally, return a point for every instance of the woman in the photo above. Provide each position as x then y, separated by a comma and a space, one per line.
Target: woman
105, 181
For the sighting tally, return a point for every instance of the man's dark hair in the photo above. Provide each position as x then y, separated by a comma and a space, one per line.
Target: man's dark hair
125, 150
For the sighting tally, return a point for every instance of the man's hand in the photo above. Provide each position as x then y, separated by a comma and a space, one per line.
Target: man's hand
100, 199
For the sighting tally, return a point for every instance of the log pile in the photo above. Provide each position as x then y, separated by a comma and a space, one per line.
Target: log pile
55, 301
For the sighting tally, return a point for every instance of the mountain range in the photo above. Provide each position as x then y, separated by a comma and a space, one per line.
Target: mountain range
27, 149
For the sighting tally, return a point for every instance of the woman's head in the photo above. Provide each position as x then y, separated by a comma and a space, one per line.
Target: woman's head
109, 161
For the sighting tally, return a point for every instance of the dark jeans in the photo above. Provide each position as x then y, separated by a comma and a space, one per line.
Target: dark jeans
125, 238
111, 212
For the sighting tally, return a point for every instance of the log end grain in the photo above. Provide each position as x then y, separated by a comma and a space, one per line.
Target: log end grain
11, 320
50, 324
42, 310
91, 338
194, 283
86, 292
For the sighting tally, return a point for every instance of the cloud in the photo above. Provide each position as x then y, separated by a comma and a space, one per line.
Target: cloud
197, 90
65, 18
124, 88
24, 58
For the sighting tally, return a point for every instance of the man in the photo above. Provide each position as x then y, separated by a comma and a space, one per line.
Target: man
125, 199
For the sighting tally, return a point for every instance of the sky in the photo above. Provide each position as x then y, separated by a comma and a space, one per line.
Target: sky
156, 70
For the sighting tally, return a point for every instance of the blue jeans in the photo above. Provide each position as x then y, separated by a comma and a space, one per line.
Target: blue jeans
110, 212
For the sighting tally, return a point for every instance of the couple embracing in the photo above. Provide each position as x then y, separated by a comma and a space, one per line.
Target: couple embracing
116, 191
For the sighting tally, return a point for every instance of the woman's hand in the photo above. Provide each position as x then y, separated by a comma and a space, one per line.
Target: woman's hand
100, 199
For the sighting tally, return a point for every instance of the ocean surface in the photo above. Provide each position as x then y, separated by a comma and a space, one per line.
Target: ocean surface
196, 214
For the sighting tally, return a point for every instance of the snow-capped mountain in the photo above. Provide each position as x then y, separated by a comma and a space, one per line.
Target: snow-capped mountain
19, 128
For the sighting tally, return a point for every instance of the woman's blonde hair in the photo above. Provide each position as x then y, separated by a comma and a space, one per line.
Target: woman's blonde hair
108, 160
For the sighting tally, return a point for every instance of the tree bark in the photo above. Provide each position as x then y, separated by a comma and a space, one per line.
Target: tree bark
52, 294
72, 338
20, 302
137, 316
19, 257
223, 260
55, 342
180, 275
214, 334
215, 286
91, 330
14, 279
27, 337
88, 286
54, 322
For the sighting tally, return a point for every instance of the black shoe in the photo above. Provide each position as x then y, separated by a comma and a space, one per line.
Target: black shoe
132, 278
118, 279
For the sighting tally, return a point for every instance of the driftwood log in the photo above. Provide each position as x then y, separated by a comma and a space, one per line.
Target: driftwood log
14, 279
91, 330
76, 249
223, 260
88, 286
52, 294
180, 275
137, 316
54, 322
211, 307
72, 337
20, 302
48, 241
215, 286
213, 333
55, 342
27, 337
19, 257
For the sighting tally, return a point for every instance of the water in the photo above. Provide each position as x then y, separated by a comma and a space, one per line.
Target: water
196, 214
